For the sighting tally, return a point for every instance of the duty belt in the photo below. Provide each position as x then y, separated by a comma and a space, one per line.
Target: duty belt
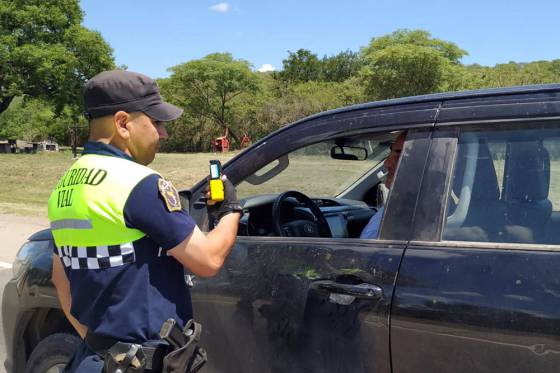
154, 355
178, 351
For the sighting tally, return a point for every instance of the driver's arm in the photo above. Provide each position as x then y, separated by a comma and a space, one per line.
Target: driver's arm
203, 254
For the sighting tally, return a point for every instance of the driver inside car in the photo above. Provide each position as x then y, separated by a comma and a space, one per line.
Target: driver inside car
371, 230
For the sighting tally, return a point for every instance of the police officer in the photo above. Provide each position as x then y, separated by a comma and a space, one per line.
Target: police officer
122, 237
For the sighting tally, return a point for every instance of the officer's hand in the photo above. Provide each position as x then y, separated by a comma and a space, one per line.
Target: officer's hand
217, 210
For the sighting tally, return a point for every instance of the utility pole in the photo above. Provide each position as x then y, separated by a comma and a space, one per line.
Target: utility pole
74, 138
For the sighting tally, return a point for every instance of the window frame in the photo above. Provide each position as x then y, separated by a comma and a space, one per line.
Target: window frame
454, 130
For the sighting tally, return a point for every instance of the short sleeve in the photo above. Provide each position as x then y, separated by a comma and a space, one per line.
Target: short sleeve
147, 211
372, 228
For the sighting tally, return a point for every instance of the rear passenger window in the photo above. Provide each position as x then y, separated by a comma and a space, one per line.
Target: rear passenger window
505, 187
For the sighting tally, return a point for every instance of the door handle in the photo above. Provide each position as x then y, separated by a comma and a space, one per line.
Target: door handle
362, 291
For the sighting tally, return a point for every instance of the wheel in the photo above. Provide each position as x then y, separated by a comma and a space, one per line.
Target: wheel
301, 227
53, 353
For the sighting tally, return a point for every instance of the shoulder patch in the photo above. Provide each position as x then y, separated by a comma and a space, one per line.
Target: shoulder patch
169, 194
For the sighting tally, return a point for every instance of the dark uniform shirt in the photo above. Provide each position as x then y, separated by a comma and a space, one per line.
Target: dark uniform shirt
130, 302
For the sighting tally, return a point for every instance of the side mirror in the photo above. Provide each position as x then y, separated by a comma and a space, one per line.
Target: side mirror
349, 153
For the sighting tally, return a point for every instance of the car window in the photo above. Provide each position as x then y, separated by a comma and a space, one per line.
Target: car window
505, 187
313, 171
342, 179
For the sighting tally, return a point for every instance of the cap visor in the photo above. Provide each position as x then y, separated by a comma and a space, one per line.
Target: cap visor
163, 112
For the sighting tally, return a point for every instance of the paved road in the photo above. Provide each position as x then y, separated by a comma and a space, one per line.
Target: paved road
14, 230
5, 275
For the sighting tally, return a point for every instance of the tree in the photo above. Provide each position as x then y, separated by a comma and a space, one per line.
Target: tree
301, 66
45, 51
340, 67
408, 63
208, 87
34, 119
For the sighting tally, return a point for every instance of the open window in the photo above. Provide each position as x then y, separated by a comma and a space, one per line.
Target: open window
326, 189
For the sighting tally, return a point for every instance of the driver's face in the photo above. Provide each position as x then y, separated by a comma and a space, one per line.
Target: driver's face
393, 159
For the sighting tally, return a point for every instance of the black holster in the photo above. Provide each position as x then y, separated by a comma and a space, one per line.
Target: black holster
122, 357
188, 358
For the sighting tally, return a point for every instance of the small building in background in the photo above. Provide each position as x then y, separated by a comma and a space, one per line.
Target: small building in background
5, 146
47, 146
27, 147
23, 146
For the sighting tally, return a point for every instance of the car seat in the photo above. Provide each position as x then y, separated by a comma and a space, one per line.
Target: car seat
485, 212
526, 187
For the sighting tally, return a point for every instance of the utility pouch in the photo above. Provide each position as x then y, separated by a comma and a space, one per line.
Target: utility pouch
189, 357
124, 358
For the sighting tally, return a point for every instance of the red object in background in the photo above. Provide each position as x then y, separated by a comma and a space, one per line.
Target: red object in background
221, 144
245, 141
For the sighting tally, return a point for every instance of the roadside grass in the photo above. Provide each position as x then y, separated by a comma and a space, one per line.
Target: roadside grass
26, 180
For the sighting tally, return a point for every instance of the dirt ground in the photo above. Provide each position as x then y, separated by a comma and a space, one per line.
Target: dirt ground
14, 230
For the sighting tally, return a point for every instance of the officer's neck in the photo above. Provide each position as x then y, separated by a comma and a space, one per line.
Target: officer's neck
113, 142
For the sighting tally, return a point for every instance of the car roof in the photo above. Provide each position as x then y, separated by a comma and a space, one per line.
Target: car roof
535, 89
469, 94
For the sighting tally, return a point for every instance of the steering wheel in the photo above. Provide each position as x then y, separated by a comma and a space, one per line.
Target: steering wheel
318, 227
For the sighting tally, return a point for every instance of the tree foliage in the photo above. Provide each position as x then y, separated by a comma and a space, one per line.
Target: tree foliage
46, 55
208, 89
341, 66
33, 119
304, 66
407, 63
45, 52
301, 66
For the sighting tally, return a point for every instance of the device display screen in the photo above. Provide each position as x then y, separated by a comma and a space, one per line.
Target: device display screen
214, 171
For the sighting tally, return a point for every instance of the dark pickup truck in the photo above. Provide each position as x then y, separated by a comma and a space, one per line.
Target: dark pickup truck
464, 275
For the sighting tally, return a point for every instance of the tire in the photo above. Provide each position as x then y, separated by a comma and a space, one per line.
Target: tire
52, 354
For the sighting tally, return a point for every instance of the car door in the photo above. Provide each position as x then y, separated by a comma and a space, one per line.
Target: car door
310, 304
478, 289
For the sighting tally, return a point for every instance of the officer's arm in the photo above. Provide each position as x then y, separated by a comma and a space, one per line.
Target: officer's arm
62, 286
203, 254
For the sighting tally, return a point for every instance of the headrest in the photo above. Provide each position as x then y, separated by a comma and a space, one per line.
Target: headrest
527, 172
485, 186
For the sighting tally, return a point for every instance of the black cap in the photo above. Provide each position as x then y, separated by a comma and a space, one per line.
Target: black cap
111, 91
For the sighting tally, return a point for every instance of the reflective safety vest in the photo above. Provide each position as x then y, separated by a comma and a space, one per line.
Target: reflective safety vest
86, 206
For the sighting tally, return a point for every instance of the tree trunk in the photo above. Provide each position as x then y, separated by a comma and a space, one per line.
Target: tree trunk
5, 103
234, 135
222, 120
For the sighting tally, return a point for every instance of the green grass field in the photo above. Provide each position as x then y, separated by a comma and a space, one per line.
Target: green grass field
27, 179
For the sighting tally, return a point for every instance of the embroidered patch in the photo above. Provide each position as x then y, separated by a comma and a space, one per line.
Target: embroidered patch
169, 194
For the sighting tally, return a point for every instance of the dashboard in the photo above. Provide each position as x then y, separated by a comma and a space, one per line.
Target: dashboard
346, 218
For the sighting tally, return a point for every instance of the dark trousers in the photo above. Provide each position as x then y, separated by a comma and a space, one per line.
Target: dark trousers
84, 361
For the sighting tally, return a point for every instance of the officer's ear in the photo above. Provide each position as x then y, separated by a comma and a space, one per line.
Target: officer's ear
121, 120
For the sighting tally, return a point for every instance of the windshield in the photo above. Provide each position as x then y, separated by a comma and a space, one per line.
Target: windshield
312, 170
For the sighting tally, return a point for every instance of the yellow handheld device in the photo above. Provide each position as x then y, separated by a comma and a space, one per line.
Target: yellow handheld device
216, 183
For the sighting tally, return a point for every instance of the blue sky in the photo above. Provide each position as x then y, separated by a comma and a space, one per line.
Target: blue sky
150, 36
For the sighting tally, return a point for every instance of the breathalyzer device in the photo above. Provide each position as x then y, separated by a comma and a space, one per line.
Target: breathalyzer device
216, 183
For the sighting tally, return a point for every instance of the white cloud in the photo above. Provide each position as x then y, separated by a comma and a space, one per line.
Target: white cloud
220, 8
266, 68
